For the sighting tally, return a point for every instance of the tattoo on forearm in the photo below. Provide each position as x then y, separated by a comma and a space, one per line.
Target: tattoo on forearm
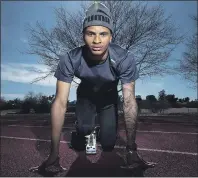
130, 115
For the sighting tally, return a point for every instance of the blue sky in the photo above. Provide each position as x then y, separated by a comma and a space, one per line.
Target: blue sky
15, 73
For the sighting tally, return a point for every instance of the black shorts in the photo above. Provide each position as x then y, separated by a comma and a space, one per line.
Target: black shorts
103, 105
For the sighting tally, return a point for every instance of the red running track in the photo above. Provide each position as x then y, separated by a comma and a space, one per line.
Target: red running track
172, 145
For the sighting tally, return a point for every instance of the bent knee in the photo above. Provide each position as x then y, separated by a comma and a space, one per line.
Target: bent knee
108, 141
108, 145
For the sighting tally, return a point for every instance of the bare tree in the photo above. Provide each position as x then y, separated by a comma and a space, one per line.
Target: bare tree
187, 67
143, 30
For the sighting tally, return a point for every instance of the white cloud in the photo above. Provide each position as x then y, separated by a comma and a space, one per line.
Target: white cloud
25, 73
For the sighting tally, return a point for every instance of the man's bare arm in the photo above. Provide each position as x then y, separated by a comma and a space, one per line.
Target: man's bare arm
58, 110
130, 113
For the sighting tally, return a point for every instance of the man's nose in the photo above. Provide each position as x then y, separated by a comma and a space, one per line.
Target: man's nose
97, 39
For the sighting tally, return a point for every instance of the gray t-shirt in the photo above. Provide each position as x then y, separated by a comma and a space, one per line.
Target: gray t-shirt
98, 75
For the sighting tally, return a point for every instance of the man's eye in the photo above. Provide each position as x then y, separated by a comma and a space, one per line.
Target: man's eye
90, 34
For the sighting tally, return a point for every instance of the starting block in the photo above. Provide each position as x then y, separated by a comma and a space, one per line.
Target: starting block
88, 142
91, 145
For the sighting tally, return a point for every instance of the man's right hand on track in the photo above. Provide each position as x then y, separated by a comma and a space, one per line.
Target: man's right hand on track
51, 164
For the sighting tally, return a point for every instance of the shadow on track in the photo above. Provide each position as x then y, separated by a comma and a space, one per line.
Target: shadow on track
106, 166
42, 147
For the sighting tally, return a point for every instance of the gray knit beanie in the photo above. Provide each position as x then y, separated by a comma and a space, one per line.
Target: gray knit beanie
98, 15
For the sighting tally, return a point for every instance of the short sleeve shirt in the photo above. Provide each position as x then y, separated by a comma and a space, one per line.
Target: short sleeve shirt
99, 74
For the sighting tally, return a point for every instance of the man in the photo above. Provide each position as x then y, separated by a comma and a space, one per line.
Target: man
100, 65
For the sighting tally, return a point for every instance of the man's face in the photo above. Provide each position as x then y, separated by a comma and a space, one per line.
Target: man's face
97, 38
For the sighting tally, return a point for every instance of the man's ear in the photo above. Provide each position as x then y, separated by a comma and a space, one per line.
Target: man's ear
110, 39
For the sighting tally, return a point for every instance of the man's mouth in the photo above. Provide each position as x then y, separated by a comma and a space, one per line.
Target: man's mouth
96, 48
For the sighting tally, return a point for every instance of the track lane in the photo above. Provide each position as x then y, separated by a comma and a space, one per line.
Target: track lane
17, 163
150, 140
175, 144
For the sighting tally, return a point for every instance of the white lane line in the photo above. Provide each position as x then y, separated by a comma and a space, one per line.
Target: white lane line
29, 126
38, 126
24, 120
187, 133
162, 151
141, 131
170, 123
117, 146
22, 138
